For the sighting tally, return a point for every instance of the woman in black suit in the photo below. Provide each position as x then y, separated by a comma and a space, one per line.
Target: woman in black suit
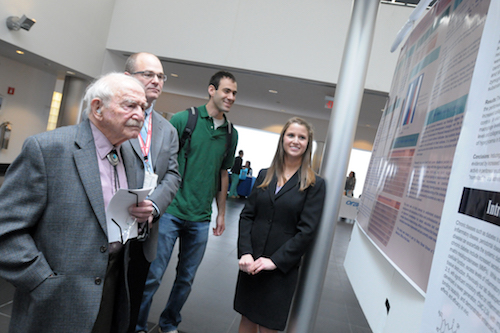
276, 228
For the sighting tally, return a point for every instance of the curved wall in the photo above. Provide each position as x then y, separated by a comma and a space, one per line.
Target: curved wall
302, 39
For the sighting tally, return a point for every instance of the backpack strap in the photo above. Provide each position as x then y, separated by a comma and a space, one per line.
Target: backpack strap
229, 137
185, 139
189, 129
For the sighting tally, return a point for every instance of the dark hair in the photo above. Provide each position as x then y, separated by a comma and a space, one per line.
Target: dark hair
306, 173
215, 79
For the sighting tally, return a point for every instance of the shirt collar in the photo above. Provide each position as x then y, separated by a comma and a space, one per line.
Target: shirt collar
102, 144
149, 110
203, 111
204, 114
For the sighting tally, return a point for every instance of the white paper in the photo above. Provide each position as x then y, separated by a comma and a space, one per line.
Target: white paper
117, 213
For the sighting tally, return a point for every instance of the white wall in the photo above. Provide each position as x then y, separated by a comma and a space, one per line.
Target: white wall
241, 115
390, 20
294, 38
28, 109
70, 32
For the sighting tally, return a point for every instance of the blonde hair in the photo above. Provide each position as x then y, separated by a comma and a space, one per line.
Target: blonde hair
306, 173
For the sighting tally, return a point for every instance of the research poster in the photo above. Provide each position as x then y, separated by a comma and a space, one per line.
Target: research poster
463, 294
414, 150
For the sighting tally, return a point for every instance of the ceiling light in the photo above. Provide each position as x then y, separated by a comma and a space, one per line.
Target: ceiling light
70, 72
19, 52
273, 91
174, 75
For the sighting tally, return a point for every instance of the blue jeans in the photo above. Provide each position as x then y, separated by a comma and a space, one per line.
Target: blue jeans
193, 242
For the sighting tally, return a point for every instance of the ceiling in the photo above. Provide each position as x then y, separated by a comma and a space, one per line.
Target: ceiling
294, 96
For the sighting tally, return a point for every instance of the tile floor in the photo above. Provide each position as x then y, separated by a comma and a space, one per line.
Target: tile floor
209, 307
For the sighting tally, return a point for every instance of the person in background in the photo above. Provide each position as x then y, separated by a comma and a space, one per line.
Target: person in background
350, 183
277, 226
235, 175
156, 152
188, 216
248, 168
54, 245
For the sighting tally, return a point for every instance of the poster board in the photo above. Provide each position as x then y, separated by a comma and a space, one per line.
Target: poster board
464, 286
414, 150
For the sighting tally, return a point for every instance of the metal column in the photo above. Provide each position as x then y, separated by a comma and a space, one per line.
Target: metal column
339, 141
73, 93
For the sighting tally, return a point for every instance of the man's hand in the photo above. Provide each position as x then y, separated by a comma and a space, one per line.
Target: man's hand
220, 227
143, 211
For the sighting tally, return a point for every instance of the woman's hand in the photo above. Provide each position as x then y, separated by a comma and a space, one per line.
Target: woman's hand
245, 263
262, 264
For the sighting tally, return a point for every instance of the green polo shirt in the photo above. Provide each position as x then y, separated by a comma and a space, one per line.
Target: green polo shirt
193, 201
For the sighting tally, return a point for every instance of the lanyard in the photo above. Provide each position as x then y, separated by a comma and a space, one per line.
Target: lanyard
146, 146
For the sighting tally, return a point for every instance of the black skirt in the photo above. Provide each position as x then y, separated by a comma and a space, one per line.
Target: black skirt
265, 298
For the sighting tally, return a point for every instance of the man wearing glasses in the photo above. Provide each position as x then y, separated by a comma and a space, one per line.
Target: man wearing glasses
211, 152
55, 242
156, 152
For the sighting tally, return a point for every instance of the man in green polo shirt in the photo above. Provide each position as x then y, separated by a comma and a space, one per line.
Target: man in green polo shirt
188, 216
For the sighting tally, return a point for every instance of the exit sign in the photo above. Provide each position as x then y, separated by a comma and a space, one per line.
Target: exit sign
328, 102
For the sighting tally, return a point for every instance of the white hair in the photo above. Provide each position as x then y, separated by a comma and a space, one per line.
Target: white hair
104, 88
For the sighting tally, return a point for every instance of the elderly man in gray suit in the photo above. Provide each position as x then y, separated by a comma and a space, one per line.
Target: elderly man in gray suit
156, 150
54, 245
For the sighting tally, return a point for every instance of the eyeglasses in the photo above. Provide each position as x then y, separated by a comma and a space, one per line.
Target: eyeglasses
150, 75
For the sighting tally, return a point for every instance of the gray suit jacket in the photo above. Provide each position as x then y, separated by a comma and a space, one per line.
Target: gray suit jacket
164, 147
53, 235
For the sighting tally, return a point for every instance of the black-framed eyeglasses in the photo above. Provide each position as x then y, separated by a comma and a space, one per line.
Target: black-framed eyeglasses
148, 75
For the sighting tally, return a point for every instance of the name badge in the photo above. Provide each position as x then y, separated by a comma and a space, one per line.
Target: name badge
150, 180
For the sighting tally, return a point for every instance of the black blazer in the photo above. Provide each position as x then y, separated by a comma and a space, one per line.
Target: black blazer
280, 226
